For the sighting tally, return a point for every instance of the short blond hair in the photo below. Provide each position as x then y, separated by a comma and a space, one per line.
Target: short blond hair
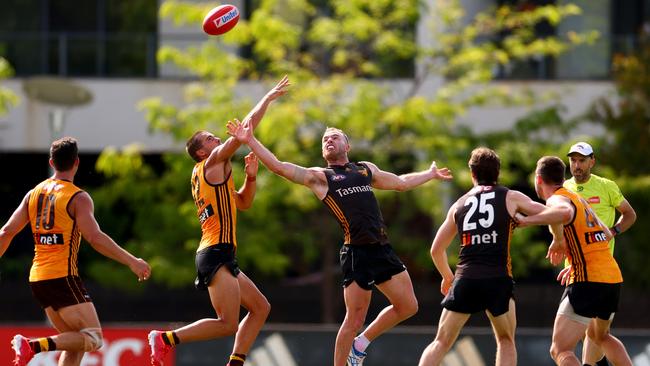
334, 129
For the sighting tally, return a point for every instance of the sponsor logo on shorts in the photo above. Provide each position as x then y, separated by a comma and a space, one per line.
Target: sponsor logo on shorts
48, 239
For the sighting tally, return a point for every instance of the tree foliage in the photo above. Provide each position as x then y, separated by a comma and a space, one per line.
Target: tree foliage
623, 149
339, 55
8, 98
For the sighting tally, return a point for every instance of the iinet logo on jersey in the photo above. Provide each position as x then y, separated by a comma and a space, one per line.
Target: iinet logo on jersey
476, 239
48, 239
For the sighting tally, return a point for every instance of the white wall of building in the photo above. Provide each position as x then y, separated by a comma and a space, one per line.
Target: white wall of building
113, 119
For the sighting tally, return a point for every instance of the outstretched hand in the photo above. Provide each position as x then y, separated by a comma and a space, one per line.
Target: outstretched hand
440, 173
242, 132
279, 89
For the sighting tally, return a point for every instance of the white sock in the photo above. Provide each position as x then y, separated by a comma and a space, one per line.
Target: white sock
361, 343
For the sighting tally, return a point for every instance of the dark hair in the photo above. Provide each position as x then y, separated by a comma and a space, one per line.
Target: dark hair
64, 153
551, 169
194, 144
484, 163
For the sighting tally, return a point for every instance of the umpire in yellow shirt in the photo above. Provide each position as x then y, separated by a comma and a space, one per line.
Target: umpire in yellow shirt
605, 198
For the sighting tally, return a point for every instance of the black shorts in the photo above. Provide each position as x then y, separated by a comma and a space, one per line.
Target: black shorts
210, 259
60, 292
594, 299
369, 264
471, 295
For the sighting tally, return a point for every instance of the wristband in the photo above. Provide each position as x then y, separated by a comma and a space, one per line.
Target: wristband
251, 179
616, 230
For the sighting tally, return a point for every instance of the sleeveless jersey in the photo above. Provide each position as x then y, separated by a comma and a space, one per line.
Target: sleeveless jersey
216, 208
589, 255
485, 229
351, 200
56, 235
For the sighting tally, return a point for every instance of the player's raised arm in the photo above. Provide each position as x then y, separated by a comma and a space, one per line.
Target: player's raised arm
16, 223
310, 177
82, 210
386, 180
256, 114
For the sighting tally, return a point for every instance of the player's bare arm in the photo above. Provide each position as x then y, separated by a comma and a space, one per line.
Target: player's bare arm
389, 181
223, 152
82, 209
441, 242
314, 178
16, 223
519, 202
244, 197
558, 210
256, 114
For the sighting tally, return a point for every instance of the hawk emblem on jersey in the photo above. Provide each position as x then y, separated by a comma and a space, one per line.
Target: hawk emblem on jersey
363, 172
338, 177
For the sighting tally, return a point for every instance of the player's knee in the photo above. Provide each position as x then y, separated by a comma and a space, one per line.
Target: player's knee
558, 354
231, 327
505, 338
93, 339
353, 323
264, 308
407, 308
596, 337
561, 357
443, 341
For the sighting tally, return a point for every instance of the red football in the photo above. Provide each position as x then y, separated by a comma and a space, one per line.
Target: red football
220, 19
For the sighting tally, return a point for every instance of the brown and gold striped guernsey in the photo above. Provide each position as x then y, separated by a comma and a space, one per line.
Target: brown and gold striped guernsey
353, 204
56, 235
589, 255
216, 208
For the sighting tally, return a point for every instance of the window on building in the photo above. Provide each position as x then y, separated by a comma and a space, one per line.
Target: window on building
107, 38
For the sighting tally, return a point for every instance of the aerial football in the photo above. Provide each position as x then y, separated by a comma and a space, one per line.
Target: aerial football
221, 19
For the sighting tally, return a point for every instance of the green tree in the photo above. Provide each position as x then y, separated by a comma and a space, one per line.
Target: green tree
623, 149
337, 60
8, 98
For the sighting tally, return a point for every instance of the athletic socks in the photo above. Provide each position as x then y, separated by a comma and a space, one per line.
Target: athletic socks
361, 343
170, 338
236, 359
42, 345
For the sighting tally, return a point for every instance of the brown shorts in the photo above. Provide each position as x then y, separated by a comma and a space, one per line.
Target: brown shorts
60, 292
